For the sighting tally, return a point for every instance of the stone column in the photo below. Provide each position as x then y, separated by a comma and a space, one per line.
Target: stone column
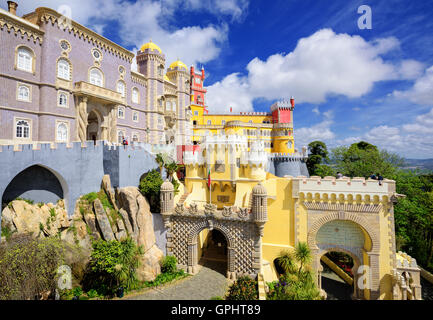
192, 258
231, 256
315, 264
375, 275
112, 125
82, 119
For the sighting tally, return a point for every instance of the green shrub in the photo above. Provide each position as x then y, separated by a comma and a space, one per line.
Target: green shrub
150, 187
28, 267
163, 278
216, 298
92, 294
294, 287
90, 197
7, 233
169, 264
244, 288
113, 264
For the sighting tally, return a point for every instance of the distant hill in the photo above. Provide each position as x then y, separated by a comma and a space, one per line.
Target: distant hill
421, 164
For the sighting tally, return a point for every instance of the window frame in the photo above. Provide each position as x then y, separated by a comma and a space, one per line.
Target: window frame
30, 125
123, 93
59, 94
123, 111
69, 75
66, 124
138, 117
29, 88
32, 67
102, 77
135, 89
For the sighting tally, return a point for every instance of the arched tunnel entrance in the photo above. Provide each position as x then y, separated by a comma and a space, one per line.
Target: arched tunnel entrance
336, 275
35, 183
212, 250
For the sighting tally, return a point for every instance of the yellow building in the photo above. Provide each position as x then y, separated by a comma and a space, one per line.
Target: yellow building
253, 216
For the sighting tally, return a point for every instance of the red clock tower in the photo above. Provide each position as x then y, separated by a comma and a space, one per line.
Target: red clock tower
198, 92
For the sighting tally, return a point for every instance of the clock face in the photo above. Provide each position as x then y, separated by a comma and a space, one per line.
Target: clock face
64, 45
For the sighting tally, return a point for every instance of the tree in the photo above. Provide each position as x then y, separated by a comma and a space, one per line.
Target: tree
286, 261
302, 254
171, 168
150, 187
363, 159
160, 160
318, 159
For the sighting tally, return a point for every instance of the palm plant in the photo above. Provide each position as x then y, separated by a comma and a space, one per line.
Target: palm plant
286, 261
171, 168
302, 255
160, 160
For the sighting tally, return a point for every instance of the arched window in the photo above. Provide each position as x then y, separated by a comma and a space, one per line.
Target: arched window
23, 129
62, 132
23, 93
173, 106
120, 136
25, 59
121, 88
209, 122
63, 100
96, 77
135, 116
161, 70
121, 112
135, 138
63, 69
135, 95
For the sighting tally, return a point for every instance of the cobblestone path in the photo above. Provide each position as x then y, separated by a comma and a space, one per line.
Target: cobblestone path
209, 282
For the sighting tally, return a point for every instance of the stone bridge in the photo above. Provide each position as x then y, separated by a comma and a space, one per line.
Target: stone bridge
49, 172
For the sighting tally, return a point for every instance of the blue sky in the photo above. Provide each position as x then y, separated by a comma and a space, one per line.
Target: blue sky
349, 84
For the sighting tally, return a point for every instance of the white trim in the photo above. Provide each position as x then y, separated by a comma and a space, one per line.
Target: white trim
60, 92
30, 123
66, 123
29, 87
124, 112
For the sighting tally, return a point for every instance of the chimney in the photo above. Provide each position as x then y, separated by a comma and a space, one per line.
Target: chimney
12, 7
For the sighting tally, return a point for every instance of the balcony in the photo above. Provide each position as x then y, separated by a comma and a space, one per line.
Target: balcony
98, 93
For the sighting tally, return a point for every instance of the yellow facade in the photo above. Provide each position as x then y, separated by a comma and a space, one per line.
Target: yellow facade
299, 209
252, 125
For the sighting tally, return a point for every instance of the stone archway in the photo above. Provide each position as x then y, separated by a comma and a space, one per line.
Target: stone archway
94, 122
241, 232
372, 251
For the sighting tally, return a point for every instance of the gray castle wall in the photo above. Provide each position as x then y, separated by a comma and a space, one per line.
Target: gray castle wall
79, 170
280, 166
160, 232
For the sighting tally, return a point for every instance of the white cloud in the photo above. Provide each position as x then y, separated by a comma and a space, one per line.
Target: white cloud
321, 131
422, 90
322, 64
143, 20
316, 110
409, 140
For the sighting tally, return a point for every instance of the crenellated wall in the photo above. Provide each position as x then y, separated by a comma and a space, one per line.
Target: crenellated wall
79, 168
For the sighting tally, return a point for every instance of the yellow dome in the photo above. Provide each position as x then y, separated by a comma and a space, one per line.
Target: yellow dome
150, 45
178, 64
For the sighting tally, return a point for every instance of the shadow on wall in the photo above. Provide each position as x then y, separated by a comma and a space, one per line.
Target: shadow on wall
34, 183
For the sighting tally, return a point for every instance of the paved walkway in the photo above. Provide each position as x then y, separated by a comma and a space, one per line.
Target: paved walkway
211, 281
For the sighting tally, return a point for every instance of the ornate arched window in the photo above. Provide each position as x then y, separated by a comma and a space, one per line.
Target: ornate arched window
23, 129
121, 112
64, 69
135, 95
25, 59
62, 132
135, 116
168, 105
96, 77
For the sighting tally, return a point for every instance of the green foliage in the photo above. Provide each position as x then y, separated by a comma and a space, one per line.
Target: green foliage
296, 283
163, 278
28, 267
90, 197
113, 264
7, 233
92, 294
217, 298
26, 200
317, 159
363, 159
244, 288
150, 187
168, 264
176, 186
53, 213
414, 216
294, 287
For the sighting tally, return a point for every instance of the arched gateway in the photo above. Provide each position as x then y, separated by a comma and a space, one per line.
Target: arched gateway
243, 231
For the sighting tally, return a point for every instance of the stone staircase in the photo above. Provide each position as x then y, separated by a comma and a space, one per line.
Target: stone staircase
183, 198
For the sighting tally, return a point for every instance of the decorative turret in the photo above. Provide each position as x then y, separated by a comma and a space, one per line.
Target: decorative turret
260, 206
167, 197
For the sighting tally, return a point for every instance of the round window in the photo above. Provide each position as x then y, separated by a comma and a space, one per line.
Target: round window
96, 54
64, 45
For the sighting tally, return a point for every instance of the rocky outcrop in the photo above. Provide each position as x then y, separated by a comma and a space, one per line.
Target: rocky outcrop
127, 215
135, 209
40, 220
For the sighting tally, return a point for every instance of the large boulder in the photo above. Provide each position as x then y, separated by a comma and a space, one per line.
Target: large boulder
103, 222
136, 207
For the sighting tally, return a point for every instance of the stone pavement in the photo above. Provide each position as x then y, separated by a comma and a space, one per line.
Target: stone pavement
211, 281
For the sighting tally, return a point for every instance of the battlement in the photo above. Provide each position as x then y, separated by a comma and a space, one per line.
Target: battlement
344, 188
282, 105
254, 114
